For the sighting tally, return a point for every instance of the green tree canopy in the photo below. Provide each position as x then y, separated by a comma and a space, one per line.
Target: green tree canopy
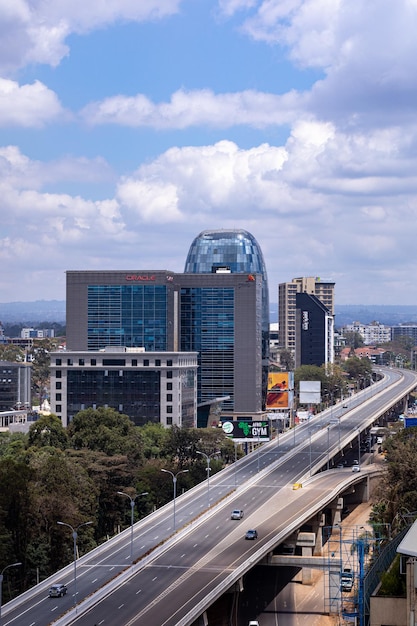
105, 430
48, 431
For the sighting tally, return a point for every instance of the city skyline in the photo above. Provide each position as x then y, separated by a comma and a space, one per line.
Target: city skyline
129, 127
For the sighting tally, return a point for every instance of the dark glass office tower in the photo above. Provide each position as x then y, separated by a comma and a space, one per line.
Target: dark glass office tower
224, 252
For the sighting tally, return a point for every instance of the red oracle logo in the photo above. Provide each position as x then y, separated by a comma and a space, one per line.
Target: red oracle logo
139, 277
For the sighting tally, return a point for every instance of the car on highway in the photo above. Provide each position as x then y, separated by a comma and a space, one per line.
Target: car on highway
57, 591
237, 514
251, 534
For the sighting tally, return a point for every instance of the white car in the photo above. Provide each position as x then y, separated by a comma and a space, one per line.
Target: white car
237, 514
356, 468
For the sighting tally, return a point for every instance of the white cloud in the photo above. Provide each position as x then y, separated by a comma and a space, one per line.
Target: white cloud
35, 31
197, 108
28, 105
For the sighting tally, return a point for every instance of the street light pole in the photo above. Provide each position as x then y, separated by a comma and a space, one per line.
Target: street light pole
74, 538
1, 580
132, 508
174, 481
208, 469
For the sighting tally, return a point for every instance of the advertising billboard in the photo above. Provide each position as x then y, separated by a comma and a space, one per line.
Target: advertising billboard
280, 384
247, 430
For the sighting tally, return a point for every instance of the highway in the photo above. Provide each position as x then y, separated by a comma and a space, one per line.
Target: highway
178, 574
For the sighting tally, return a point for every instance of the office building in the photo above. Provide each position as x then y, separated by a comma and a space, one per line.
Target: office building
314, 332
15, 383
218, 308
158, 387
321, 289
233, 251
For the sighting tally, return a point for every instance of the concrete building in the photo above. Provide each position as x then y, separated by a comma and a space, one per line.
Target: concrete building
321, 289
15, 384
371, 334
216, 315
159, 387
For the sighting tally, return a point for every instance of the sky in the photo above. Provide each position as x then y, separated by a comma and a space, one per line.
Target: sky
127, 127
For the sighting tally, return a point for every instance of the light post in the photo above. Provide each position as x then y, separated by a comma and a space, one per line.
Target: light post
1, 580
208, 458
132, 508
74, 537
174, 481
328, 447
359, 447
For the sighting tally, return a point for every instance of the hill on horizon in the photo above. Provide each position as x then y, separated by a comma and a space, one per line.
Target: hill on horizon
28, 313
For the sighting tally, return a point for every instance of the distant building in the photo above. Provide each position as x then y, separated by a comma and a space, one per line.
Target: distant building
405, 330
371, 334
36, 333
15, 384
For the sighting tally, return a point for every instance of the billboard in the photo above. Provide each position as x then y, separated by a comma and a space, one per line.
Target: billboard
310, 392
247, 430
280, 386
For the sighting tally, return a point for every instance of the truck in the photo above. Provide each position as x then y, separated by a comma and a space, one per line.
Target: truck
347, 578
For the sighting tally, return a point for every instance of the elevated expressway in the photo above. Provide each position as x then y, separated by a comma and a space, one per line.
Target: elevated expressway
178, 576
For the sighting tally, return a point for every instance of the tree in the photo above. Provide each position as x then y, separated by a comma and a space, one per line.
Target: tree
41, 360
353, 339
11, 352
286, 360
48, 431
105, 430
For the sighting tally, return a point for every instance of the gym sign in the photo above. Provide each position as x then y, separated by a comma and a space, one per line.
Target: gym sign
247, 430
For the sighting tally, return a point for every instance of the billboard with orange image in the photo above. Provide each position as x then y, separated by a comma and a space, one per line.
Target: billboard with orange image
278, 390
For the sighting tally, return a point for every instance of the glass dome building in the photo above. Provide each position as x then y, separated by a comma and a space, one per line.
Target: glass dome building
234, 251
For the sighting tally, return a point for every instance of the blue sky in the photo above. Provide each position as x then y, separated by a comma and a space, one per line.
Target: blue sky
129, 126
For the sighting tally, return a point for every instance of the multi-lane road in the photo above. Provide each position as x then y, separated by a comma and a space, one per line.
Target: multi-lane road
179, 576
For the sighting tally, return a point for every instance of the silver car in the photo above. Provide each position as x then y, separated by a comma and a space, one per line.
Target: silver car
57, 591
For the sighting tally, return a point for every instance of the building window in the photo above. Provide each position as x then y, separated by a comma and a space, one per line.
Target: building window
81, 362
158, 362
169, 363
169, 386
169, 421
58, 397
58, 374
58, 385
169, 397
134, 362
169, 409
145, 362
58, 362
70, 362
93, 362
58, 408
169, 374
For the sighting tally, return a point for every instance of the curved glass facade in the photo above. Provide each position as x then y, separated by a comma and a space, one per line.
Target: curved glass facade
233, 251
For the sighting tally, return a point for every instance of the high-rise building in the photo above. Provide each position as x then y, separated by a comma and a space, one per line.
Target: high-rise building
322, 289
218, 309
314, 331
233, 251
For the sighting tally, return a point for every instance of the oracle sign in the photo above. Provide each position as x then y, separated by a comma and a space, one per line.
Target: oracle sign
139, 277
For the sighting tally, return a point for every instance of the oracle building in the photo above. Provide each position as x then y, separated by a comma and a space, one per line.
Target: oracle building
216, 314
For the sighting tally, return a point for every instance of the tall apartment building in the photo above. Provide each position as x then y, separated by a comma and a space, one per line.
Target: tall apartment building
323, 290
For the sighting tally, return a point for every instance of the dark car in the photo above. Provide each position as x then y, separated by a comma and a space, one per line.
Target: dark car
251, 534
57, 591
